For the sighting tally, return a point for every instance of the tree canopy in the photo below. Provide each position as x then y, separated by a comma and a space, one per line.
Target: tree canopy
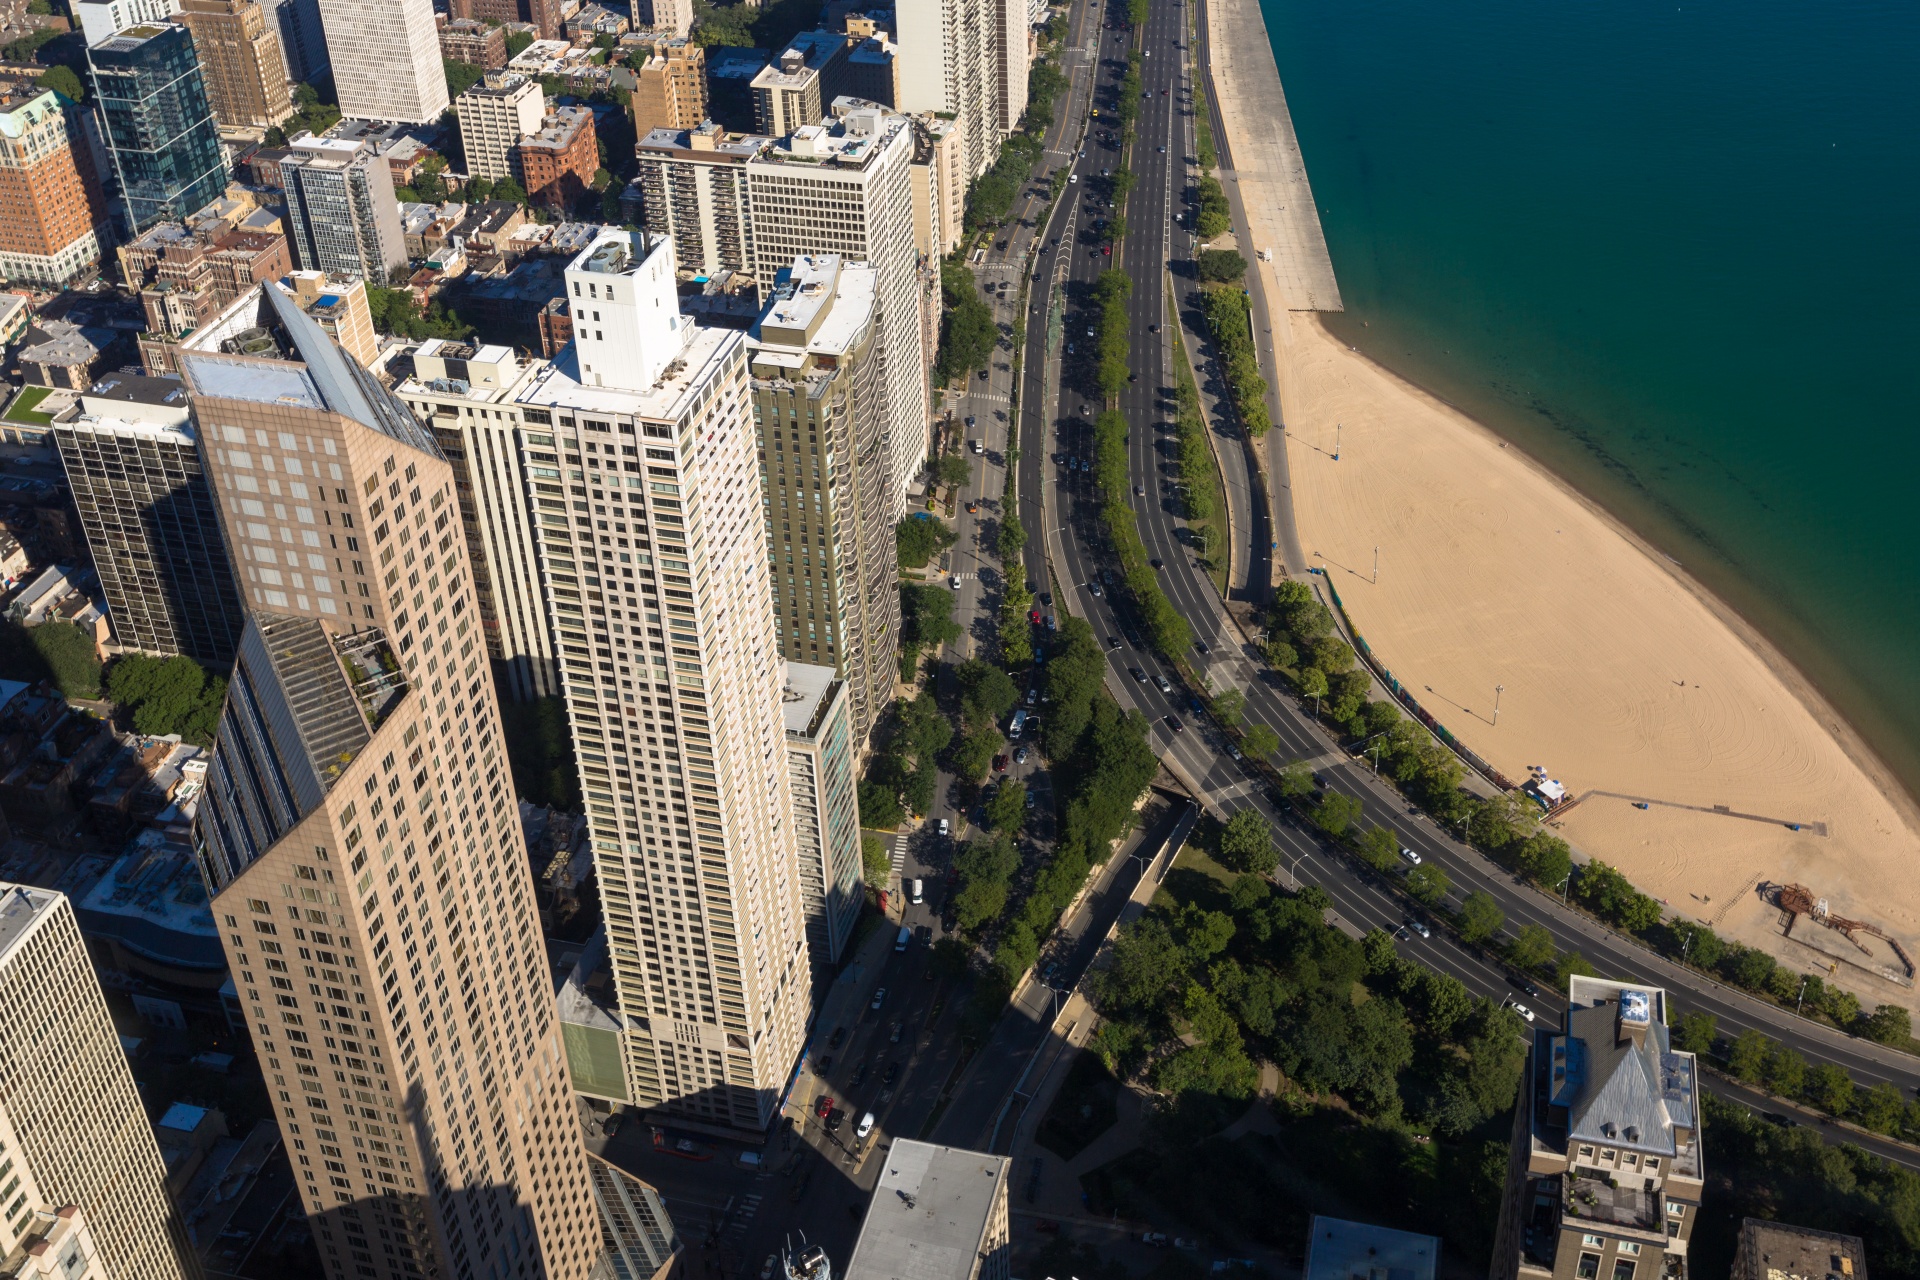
168, 695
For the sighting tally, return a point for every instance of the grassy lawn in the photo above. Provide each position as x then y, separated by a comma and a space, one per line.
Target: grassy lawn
1217, 527
22, 409
1085, 1107
1194, 876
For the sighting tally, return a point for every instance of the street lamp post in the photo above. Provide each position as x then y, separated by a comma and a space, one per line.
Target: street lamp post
1497, 691
1802, 996
1293, 871
1376, 564
1336, 442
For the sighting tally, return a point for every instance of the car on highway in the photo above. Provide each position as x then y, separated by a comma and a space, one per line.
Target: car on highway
1157, 563
1201, 646
1033, 695
834, 1117
1153, 328
973, 508
1139, 491
1412, 858
1069, 348
893, 1037
1113, 642
1139, 676
866, 1127
1234, 752
879, 998
1033, 798
1420, 927
1173, 723
1164, 685
823, 1066
1095, 588
1520, 1009
1033, 616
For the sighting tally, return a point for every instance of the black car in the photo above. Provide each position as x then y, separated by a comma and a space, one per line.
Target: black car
839, 1034
1158, 564
1139, 676
859, 1076
1113, 642
893, 1073
834, 1117
1173, 723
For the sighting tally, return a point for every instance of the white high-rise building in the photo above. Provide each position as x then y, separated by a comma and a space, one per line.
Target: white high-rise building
104, 19
465, 394
844, 187
663, 613
1013, 54
494, 116
386, 59
73, 1135
950, 62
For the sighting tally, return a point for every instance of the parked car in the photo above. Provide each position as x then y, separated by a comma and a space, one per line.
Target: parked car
879, 998
1157, 1239
945, 827
839, 1034
893, 1068
859, 1076
1020, 756
824, 1106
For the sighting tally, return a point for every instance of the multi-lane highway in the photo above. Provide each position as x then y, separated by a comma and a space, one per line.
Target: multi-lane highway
1066, 553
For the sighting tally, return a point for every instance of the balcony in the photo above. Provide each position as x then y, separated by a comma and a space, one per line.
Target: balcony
1596, 1200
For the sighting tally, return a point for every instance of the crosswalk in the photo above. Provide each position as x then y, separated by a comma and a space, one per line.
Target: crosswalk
898, 858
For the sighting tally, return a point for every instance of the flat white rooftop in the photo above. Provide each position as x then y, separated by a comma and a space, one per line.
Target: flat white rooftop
1342, 1250
929, 1213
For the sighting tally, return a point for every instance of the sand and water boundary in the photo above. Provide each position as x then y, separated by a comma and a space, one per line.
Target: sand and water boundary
1615, 670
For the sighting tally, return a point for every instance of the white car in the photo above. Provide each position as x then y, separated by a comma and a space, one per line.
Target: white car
954, 581
1166, 686
879, 998
1520, 1009
944, 828
1410, 855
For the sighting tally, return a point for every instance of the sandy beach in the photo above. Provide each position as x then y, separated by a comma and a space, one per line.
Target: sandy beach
1617, 673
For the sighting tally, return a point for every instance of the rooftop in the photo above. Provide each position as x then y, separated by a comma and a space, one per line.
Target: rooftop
153, 902
1780, 1251
559, 385
21, 907
263, 349
708, 142
1342, 1250
808, 693
930, 1213
560, 127
821, 305
849, 142
732, 62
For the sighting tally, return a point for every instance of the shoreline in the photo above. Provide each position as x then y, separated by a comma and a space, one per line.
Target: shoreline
1805, 689
1497, 570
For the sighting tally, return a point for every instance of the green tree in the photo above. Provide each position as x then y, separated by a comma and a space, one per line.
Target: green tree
1888, 1024
1830, 1088
1228, 705
1480, 916
1428, 884
517, 42
926, 615
1531, 948
509, 190
1246, 843
1007, 807
1696, 1032
1219, 266
1336, 812
62, 80
461, 76
1010, 541
879, 807
1378, 847
1879, 1108
1296, 779
1747, 1057
1786, 1071
973, 752
1259, 742
168, 696
920, 538
1572, 964
986, 692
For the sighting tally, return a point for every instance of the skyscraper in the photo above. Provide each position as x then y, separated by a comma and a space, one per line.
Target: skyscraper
72, 1130
341, 209
693, 186
386, 59
133, 463
844, 187
465, 394
303, 41
821, 757
51, 207
494, 115
358, 836
671, 92
820, 406
950, 63
240, 57
664, 621
159, 130
1012, 62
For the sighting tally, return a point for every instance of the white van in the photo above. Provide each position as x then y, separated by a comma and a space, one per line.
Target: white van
919, 891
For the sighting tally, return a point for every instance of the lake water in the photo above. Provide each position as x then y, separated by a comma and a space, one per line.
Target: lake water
1671, 251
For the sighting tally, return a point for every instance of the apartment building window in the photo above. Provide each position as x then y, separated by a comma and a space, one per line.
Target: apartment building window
1588, 1267
1623, 1269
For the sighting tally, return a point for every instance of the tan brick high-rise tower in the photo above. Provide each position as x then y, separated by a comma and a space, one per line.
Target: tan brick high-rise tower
240, 55
359, 837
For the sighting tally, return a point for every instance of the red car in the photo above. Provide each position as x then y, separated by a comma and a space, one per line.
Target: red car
999, 764
1033, 616
826, 1105
1107, 251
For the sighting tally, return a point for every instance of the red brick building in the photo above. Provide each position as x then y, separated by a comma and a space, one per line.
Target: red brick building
557, 164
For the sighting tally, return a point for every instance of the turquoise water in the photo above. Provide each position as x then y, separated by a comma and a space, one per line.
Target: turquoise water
1671, 251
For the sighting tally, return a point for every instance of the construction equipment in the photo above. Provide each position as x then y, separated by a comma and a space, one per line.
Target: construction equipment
1797, 900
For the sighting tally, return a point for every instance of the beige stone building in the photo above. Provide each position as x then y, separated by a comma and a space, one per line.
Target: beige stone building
844, 187
359, 838
939, 184
1607, 1164
465, 394
821, 408
823, 760
339, 307
651, 531
693, 186
83, 1175
672, 88
240, 56
494, 115
937, 1213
